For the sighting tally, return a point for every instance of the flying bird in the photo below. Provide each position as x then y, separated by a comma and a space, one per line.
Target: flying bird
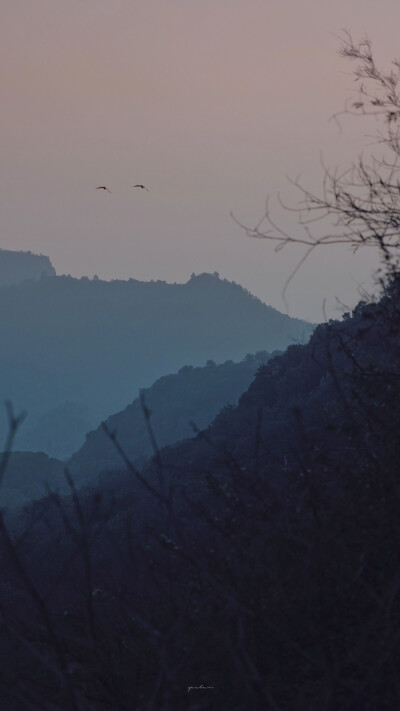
103, 187
141, 186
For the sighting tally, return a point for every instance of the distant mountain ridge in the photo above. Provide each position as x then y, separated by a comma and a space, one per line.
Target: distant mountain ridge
96, 343
15, 266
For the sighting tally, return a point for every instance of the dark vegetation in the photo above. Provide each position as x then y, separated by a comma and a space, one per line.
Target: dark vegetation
260, 559
256, 566
95, 343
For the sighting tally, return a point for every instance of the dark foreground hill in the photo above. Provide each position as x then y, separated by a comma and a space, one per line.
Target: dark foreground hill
16, 267
254, 567
95, 343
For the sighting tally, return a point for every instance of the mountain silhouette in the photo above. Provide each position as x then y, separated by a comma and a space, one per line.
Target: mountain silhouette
95, 343
16, 267
179, 405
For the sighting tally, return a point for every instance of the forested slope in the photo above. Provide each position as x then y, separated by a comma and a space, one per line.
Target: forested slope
177, 406
258, 562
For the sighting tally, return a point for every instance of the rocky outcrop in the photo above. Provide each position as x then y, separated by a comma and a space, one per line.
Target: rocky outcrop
16, 267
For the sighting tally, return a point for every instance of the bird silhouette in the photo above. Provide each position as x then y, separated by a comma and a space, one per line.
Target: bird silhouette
103, 187
141, 186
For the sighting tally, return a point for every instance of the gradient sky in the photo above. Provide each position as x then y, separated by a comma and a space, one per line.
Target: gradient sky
211, 103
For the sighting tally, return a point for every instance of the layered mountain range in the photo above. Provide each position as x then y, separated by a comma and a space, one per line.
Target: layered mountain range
74, 351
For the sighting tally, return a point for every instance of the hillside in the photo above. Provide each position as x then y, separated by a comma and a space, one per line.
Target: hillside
193, 396
95, 343
260, 558
16, 267
268, 544
311, 397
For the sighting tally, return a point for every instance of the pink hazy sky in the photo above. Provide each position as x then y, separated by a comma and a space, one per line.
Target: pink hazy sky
211, 103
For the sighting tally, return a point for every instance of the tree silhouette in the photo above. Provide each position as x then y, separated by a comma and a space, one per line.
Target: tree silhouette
359, 206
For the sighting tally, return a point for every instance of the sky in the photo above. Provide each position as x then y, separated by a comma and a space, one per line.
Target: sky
213, 104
